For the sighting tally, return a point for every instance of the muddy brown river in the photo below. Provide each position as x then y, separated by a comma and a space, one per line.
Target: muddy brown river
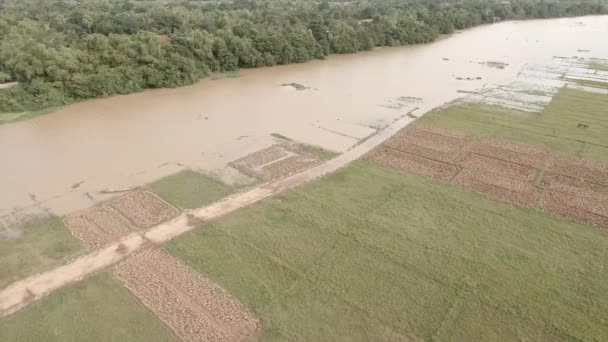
70, 159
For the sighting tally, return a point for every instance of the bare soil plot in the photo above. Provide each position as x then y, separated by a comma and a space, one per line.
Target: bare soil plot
287, 167
580, 208
96, 227
275, 162
251, 163
515, 153
431, 142
510, 189
573, 186
415, 164
144, 209
496, 167
584, 169
193, 307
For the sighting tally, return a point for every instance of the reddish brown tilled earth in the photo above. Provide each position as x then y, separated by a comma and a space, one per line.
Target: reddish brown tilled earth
573, 186
193, 307
412, 163
515, 153
513, 190
144, 209
578, 208
505, 170
96, 227
439, 145
583, 169
287, 167
497, 167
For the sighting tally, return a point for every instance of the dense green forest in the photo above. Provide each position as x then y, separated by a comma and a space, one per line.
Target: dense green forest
62, 51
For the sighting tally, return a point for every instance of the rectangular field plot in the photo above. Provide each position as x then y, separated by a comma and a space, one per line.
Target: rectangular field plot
412, 163
504, 188
430, 142
258, 159
582, 169
194, 308
489, 166
275, 162
514, 153
96, 227
144, 209
581, 208
287, 167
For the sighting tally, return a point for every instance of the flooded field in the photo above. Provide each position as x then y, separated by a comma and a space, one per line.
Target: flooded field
90, 151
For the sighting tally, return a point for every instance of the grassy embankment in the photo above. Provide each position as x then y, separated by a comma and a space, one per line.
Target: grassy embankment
554, 128
36, 245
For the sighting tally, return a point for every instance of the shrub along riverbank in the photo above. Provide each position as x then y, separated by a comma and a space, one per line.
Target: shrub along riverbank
62, 52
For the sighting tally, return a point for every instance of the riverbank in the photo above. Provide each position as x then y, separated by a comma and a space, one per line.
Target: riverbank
477, 253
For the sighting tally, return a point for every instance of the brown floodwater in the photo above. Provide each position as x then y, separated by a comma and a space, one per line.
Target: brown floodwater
65, 161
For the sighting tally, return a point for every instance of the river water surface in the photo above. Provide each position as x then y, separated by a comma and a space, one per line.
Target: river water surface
66, 160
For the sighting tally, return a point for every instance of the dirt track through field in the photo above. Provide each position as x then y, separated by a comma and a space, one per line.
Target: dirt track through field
26, 291
193, 307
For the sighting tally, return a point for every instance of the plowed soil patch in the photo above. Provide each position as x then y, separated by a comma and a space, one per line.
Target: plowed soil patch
96, 227
287, 167
515, 153
193, 307
505, 188
251, 163
573, 186
583, 169
580, 208
428, 143
144, 209
412, 163
437, 130
495, 167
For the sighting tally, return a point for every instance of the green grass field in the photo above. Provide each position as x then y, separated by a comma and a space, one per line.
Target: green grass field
554, 129
96, 309
370, 253
39, 243
190, 189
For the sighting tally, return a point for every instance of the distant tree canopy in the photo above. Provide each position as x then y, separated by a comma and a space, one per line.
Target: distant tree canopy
64, 51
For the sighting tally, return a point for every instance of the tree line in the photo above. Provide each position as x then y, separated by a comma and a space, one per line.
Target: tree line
64, 51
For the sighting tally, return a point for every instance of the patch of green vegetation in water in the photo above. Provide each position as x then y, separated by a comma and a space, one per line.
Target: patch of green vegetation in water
370, 253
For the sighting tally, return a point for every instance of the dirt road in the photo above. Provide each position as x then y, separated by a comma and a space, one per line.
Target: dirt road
28, 290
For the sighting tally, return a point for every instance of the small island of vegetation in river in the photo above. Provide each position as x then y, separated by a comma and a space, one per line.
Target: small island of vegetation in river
60, 52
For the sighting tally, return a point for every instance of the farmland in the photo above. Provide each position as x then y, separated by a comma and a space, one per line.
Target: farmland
34, 245
97, 309
373, 253
553, 129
